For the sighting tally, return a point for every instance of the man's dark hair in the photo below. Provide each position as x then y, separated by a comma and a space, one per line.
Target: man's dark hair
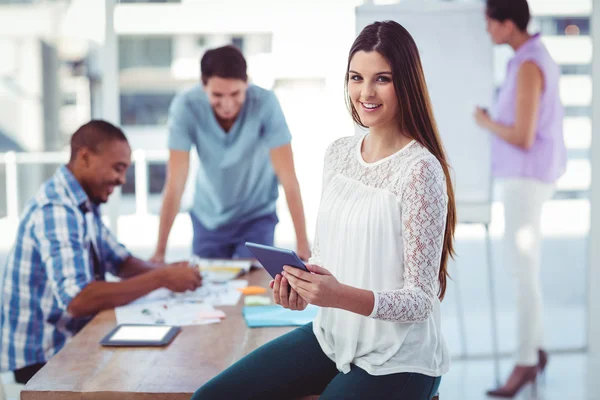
93, 134
515, 10
224, 62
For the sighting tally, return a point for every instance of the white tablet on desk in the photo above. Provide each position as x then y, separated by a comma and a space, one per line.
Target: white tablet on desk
140, 335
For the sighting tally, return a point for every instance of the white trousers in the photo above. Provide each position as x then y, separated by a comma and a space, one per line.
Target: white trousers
523, 200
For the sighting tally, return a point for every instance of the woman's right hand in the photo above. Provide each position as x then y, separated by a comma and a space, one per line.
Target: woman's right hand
482, 117
284, 295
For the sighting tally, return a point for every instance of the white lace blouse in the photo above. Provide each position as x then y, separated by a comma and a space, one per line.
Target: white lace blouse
380, 227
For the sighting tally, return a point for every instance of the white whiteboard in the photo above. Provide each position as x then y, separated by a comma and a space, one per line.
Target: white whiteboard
457, 57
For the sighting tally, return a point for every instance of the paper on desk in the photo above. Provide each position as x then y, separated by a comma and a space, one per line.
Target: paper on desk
216, 294
168, 312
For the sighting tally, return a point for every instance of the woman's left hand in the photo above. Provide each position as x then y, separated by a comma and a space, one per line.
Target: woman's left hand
319, 287
482, 117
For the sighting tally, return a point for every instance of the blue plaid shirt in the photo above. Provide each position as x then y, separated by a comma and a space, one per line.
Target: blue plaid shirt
50, 263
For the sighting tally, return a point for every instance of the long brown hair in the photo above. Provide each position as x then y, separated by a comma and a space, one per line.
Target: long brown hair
415, 119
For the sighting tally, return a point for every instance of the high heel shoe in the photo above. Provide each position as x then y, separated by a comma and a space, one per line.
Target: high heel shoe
520, 377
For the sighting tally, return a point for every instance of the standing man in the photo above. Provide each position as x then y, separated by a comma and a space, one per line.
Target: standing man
54, 280
243, 143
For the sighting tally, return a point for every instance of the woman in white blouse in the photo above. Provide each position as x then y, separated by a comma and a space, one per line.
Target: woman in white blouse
384, 235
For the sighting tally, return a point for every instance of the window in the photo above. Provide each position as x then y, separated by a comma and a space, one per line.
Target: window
561, 26
573, 26
157, 174
576, 69
150, 52
145, 108
238, 42
578, 111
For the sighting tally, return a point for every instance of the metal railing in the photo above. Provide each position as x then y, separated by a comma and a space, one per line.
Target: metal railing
140, 158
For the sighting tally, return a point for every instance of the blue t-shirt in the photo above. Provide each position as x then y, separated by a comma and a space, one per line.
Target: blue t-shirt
236, 181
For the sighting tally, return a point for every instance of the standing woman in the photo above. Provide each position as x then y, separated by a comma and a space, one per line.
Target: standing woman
528, 156
384, 236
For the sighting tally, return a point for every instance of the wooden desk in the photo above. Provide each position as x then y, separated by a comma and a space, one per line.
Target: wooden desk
85, 370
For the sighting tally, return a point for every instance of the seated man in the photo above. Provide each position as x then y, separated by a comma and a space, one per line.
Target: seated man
53, 283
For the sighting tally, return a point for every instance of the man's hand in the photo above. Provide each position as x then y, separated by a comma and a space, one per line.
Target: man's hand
180, 277
158, 258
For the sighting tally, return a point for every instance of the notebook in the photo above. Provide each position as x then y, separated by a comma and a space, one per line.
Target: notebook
275, 315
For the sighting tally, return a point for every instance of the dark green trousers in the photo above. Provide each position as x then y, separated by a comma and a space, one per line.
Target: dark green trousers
294, 365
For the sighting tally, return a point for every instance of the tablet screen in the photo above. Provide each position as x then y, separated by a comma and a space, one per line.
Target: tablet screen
140, 333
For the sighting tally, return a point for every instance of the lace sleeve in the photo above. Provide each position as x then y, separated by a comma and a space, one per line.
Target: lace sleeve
424, 206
